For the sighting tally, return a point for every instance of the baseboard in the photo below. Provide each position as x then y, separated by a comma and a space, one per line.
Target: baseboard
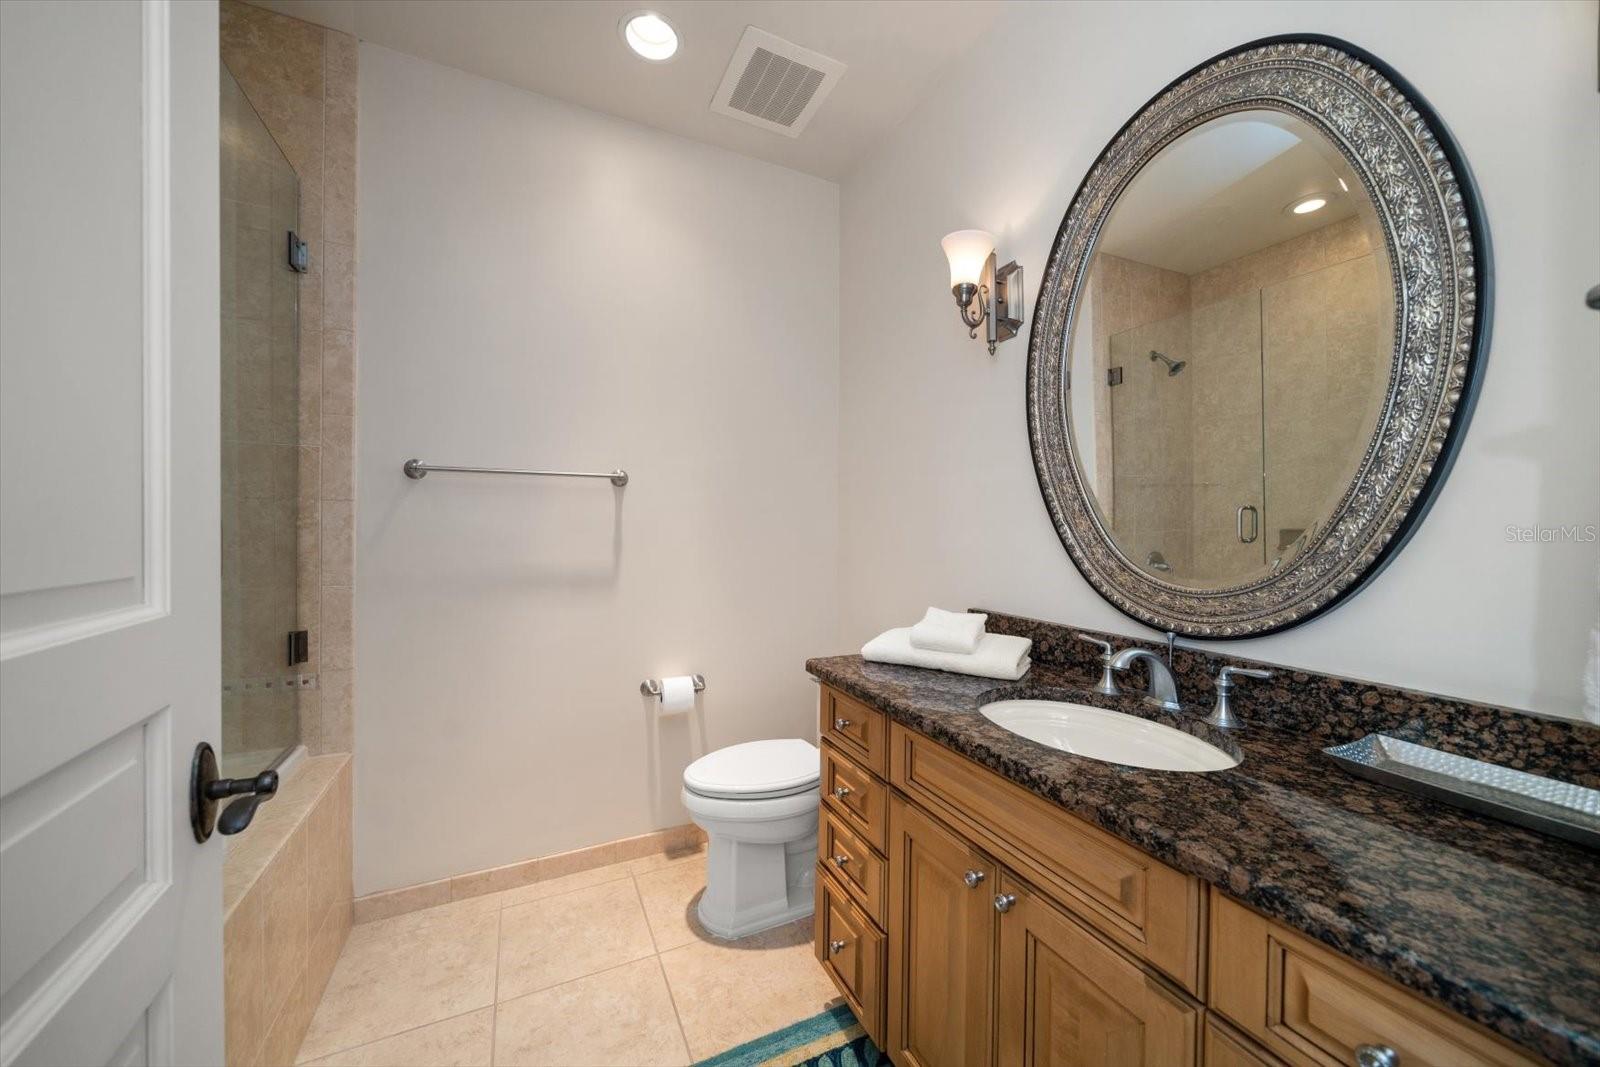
685, 838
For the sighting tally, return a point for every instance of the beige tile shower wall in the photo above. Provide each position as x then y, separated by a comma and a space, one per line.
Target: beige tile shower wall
1325, 342
302, 80
1335, 243
1226, 444
1305, 321
1125, 294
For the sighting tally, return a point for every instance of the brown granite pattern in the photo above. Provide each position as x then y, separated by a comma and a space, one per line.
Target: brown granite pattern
1340, 709
1497, 923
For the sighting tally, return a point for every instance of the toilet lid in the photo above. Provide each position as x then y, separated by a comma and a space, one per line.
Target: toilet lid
756, 769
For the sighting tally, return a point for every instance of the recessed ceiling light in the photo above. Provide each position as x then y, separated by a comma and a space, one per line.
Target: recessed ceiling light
650, 36
1308, 205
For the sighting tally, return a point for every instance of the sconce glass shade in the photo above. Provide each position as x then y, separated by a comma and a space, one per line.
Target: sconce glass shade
968, 251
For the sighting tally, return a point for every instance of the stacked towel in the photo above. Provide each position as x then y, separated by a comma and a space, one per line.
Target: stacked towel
949, 631
996, 656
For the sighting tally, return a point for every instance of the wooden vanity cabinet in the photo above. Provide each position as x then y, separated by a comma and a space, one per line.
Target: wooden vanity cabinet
851, 934
1310, 1006
970, 923
1068, 999
942, 957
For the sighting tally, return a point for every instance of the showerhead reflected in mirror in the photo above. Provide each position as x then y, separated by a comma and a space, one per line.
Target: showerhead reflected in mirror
1232, 351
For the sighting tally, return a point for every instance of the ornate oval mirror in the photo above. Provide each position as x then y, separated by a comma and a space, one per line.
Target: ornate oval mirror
1257, 339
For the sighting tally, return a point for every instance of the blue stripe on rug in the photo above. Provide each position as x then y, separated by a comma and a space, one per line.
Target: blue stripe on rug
853, 1050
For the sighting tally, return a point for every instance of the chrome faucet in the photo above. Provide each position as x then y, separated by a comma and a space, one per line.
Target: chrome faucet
1163, 690
1222, 716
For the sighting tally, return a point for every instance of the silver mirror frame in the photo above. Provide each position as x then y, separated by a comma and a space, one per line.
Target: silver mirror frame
1428, 209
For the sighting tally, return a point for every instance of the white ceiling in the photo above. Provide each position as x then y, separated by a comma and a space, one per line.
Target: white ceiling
572, 50
1221, 191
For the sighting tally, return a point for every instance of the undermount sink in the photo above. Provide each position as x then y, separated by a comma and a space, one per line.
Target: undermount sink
1108, 736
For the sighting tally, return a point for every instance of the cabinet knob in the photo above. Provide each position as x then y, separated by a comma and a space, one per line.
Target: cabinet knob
836, 947
1376, 1056
1003, 902
840, 861
841, 724
841, 791
972, 878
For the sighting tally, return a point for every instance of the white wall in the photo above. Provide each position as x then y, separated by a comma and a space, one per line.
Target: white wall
938, 498
543, 286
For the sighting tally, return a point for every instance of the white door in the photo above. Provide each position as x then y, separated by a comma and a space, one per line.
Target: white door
110, 912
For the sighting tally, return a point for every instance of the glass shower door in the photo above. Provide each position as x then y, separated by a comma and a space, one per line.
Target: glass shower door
260, 372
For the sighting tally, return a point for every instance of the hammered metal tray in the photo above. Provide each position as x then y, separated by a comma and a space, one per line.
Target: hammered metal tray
1544, 804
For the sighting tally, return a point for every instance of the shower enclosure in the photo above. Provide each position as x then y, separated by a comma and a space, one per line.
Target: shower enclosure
1230, 419
261, 499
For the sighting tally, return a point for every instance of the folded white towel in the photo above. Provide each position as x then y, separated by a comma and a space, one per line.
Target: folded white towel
949, 631
998, 655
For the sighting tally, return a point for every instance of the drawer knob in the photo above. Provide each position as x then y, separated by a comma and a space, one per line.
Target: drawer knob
836, 947
841, 724
1004, 901
841, 791
840, 861
972, 878
1376, 1056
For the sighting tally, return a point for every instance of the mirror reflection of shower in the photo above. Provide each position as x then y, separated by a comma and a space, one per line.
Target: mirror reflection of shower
1174, 366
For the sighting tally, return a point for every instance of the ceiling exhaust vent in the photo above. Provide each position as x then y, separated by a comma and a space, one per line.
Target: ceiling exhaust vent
775, 84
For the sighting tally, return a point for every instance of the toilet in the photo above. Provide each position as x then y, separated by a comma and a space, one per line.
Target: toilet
757, 803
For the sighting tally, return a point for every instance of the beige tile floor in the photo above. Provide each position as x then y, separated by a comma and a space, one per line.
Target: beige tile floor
608, 966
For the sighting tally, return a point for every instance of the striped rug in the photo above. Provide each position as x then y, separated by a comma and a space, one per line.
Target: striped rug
831, 1038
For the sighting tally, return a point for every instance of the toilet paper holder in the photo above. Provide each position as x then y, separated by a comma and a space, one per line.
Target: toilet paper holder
651, 687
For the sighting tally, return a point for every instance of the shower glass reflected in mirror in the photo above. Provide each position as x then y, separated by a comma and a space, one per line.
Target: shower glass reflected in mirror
260, 371
1232, 351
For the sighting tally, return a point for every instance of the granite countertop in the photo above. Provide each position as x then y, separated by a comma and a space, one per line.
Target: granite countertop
1497, 923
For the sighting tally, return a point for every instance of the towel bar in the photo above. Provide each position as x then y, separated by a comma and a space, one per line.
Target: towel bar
416, 469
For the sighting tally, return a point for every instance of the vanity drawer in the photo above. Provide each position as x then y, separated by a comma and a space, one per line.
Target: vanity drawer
1146, 907
860, 800
852, 952
1226, 1047
857, 729
861, 871
1309, 1005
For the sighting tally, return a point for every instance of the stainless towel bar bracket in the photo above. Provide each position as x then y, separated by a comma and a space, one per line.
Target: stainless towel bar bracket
650, 687
417, 470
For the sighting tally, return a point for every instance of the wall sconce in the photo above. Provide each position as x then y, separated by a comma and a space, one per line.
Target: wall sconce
974, 279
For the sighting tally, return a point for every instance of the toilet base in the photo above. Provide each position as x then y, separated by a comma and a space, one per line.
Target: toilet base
801, 903
755, 886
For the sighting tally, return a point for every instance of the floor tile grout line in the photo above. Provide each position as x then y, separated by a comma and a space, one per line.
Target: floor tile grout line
386, 1037
648, 925
666, 979
494, 1003
677, 1015
601, 970
656, 953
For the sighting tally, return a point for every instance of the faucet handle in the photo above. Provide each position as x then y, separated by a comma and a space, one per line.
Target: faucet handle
1105, 646
1222, 715
1108, 683
1227, 674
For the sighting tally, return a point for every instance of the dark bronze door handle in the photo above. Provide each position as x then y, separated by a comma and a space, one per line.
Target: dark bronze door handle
206, 788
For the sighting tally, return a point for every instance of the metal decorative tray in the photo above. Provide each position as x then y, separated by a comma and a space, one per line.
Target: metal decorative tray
1544, 804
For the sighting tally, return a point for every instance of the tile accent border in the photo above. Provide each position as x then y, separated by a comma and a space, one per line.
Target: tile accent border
674, 839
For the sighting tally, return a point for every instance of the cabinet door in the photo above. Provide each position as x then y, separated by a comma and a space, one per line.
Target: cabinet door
1068, 999
941, 944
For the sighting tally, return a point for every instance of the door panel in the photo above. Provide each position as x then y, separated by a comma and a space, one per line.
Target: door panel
941, 957
109, 560
1068, 999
